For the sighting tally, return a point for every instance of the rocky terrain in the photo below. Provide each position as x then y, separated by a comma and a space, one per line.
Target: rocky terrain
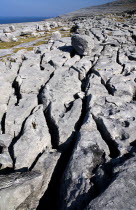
68, 114
116, 6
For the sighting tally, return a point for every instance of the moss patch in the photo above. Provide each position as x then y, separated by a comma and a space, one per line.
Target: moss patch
40, 43
4, 58
23, 48
8, 45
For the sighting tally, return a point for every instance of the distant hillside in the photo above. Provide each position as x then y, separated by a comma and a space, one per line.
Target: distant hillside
117, 6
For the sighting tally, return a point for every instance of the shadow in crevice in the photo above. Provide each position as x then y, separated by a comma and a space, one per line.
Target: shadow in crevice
113, 146
68, 49
51, 196
53, 128
50, 200
3, 123
15, 139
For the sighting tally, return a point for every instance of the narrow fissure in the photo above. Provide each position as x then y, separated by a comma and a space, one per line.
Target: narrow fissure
114, 151
39, 96
3, 123
17, 93
53, 129
35, 161
14, 140
1, 149
50, 200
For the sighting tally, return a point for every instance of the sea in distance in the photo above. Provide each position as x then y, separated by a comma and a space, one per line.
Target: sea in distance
8, 20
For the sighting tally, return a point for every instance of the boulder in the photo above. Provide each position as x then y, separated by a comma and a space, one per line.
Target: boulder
26, 32
56, 36
83, 44
53, 25
12, 28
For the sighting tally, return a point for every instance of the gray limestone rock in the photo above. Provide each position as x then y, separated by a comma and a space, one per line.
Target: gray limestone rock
5, 159
56, 36
34, 140
58, 100
121, 192
12, 28
87, 154
14, 119
21, 187
83, 44
76, 95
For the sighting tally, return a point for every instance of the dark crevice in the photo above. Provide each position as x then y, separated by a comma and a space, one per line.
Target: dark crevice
53, 128
134, 96
15, 139
20, 65
41, 67
17, 93
97, 37
51, 63
123, 69
51, 196
39, 96
134, 37
3, 123
5, 171
53, 190
1, 149
35, 161
113, 147
117, 58
110, 89
69, 106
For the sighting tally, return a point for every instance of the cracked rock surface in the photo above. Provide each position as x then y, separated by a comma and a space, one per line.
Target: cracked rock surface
68, 118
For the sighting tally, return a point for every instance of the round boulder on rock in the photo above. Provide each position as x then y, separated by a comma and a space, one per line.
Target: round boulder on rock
12, 28
56, 35
83, 44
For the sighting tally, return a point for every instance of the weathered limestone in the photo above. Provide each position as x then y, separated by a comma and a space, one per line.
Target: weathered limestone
56, 35
58, 100
83, 44
88, 153
34, 140
14, 120
121, 192
68, 114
